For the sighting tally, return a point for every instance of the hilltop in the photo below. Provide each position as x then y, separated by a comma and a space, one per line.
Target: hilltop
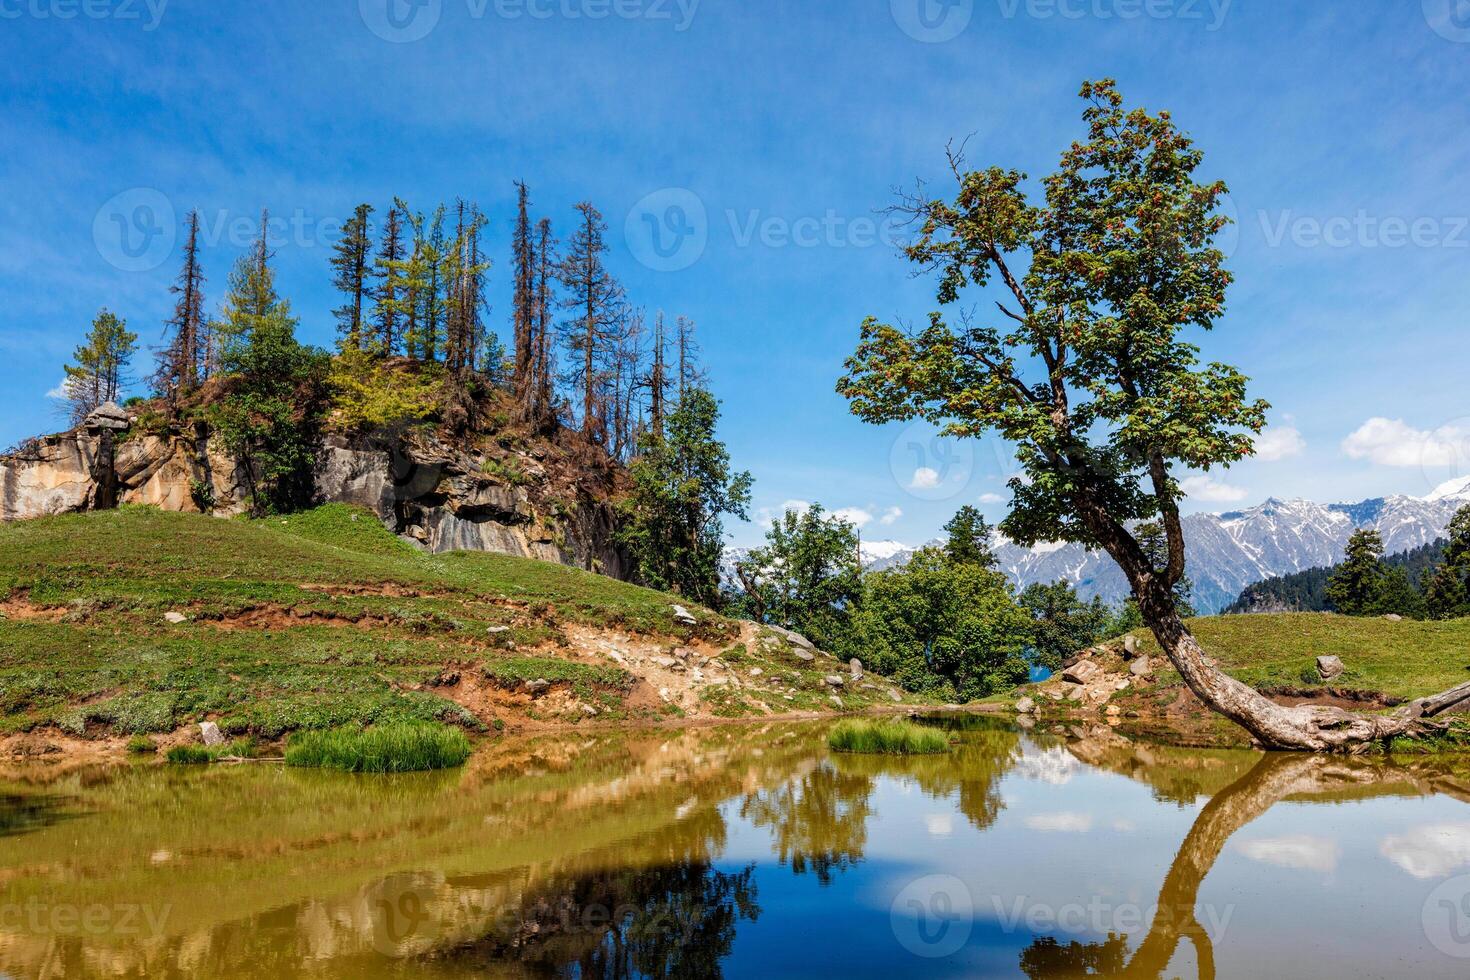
143, 622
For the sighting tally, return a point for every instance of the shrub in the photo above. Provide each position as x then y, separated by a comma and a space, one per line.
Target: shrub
886, 738
404, 747
141, 745
369, 393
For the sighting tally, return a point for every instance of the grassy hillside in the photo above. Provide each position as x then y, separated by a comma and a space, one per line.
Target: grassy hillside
312, 621
1402, 660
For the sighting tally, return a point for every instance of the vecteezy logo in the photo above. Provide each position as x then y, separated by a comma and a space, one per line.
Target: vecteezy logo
932, 21
668, 230
401, 21
1447, 918
1450, 19
933, 917
928, 465
135, 230
401, 913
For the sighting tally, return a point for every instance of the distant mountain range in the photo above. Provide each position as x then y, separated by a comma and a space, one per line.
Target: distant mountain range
1228, 552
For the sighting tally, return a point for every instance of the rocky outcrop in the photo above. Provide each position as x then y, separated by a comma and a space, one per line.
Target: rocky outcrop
438, 496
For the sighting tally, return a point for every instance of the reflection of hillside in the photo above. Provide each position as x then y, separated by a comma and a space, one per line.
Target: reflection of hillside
818, 821
1271, 780
211, 852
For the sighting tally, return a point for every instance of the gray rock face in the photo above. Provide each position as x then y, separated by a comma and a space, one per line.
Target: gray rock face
1141, 667
109, 416
1330, 668
1081, 672
1130, 645
855, 667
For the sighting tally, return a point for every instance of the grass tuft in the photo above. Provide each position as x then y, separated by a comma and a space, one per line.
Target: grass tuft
404, 747
202, 755
886, 738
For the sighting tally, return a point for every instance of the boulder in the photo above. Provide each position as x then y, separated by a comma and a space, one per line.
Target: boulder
684, 617
175, 618
756, 672
211, 734
539, 686
1329, 667
497, 630
834, 681
1130, 645
1141, 667
804, 656
109, 416
1025, 706
895, 697
796, 639
855, 666
1082, 672
1394, 618
666, 663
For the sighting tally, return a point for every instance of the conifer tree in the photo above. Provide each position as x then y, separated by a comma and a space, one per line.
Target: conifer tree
351, 276
1448, 592
658, 379
546, 270
969, 539
101, 360
1358, 584
523, 306
388, 309
597, 302
184, 361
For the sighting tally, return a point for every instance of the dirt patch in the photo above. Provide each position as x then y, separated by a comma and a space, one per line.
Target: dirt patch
262, 618
389, 590
25, 611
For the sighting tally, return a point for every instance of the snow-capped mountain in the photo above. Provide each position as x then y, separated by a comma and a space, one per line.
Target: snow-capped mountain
1228, 552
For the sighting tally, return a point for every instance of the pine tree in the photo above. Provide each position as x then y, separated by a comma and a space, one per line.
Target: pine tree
250, 301
463, 274
523, 304
351, 276
546, 270
101, 361
1154, 542
598, 302
969, 539
1358, 584
691, 375
389, 268
658, 379
1448, 592
185, 358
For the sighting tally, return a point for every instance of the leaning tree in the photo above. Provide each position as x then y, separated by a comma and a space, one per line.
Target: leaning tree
1091, 374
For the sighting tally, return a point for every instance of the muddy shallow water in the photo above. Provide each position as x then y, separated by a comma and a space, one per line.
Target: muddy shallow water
748, 851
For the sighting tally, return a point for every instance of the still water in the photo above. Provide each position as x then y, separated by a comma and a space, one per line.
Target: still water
747, 852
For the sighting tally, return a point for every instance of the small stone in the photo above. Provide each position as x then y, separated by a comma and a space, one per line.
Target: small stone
497, 630
589, 711
756, 672
834, 681
803, 655
1330, 667
895, 697
1026, 706
684, 617
1113, 711
836, 701
1394, 618
539, 686
667, 663
175, 618
211, 734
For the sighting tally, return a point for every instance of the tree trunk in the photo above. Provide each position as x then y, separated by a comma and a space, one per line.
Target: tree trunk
1307, 728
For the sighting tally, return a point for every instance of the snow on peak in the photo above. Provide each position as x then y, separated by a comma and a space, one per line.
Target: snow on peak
1456, 489
882, 550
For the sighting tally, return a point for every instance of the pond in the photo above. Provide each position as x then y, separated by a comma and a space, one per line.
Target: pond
748, 851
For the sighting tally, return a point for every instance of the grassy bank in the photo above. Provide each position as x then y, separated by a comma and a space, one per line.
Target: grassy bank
388, 748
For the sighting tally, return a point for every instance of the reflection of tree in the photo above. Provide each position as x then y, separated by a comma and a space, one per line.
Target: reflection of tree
818, 822
1273, 779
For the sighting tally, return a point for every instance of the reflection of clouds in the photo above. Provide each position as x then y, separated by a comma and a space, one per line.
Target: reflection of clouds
939, 824
1060, 823
1304, 852
1431, 851
1124, 826
1055, 765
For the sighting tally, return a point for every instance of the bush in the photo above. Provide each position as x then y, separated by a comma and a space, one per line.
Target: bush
886, 738
405, 747
141, 745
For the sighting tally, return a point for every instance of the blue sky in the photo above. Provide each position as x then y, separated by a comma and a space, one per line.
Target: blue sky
768, 136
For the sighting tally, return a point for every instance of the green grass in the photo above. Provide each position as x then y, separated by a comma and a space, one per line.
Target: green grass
141, 745
1403, 660
886, 738
389, 748
199, 755
307, 622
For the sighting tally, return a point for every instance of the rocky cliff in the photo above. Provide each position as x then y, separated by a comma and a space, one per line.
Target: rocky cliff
529, 499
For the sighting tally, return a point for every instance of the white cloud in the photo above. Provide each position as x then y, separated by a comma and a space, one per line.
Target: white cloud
1304, 852
1210, 490
59, 391
924, 479
1281, 442
939, 824
891, 516
1060, 823
992, 498
769, 515
1393, 442
1056, 766
1431, 851
855, 516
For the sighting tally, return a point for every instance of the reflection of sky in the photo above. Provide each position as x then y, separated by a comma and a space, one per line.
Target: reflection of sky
1307, 890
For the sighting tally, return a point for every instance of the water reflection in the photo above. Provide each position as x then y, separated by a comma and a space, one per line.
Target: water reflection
690, 854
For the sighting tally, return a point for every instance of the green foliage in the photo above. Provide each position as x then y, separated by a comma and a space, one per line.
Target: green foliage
1063, 623
1154, 542
202, 755
506, 471
683, 487
953, 631
1306, 591
141, 745
101, 361
807, 578
1448, 590
367, 393
969, 539
886, 738
1357, 585
516, 670
381, 749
